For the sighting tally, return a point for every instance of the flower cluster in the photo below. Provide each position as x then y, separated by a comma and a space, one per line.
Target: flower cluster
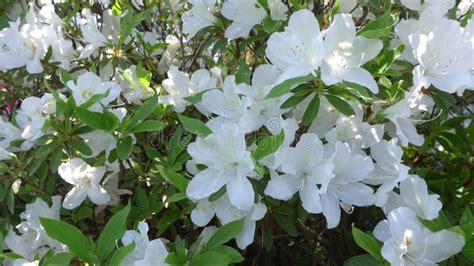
281, 103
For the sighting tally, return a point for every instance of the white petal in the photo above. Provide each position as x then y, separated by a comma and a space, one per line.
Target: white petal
356, 194
442, 245
245, 237
74, 198
310, 198
362, 77
282, 187
98, 195
331, 209
202, 214
204, 184
241, 194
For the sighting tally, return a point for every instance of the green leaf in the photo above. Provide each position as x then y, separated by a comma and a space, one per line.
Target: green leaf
148, 126
368, 243
144, 111
167, 220
10, 255
95, 99
268, 145
194, 126
383, 61
242, 75
468, 251
120, 254
232, 255
287, 225
144, 76
224, 234
177, 197
60, 259
299, 95
112, 232
124, 148
175, 179
270, 25
211, 259
103, 121
311, 112
70, 236
81, 146
341, 105
443, 221
287, 85
380, 27
362, 260
64, 76
196, 98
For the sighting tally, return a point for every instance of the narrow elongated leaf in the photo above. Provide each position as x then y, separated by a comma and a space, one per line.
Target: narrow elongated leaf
311, 111
368, 243
124, 148
112, 232
70, 236
225, 233
64, 76
60, 259
148, 126
103, 121
144, 111
268, 145
194, 126
174, 179
341, 105
287, 85
120, 254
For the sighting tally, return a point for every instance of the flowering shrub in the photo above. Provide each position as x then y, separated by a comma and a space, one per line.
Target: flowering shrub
204, 132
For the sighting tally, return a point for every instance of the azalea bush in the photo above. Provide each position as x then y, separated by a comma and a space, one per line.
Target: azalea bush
251, 132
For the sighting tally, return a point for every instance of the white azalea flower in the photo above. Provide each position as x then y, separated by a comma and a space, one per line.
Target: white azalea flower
244, 15
408, 242
99, 141
33, 238
354, 131
198, 17
262, 112
92, 36
346, 188
133, 89
388, 171
278, 9
86, 182
179, 85
146, 252
403, 116
442, 64
298, 50
418, 5
228, 104
305, 170
345, 53
223, 209
228, 164
88, 85
8, 134
414, 194
22, 46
